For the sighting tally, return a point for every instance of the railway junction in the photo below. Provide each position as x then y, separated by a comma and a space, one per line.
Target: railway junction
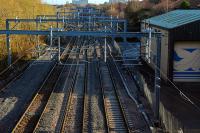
83, 81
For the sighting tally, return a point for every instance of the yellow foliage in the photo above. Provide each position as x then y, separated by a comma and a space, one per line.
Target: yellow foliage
21, 9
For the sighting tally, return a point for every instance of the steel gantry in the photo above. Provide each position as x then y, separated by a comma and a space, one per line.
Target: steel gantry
85, 22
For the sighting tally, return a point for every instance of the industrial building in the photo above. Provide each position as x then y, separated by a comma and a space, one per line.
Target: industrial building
80, 2
180, 48
117, 1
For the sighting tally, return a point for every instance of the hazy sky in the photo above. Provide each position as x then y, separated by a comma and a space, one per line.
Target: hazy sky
64, 1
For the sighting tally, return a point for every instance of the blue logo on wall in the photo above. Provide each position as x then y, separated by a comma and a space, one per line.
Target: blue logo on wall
187, 63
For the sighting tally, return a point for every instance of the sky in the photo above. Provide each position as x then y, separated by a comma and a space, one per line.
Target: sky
64, 1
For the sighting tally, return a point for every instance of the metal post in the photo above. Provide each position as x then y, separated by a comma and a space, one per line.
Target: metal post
58, 49
78, 19
113, 41
57, 19
89, 22
89, 19
40, 20
125, 26
157, 80
105, 48
117, 23
51, 36
63, 21
8, 44
111, 23
38, 47
149, 46
94, 28
51, 40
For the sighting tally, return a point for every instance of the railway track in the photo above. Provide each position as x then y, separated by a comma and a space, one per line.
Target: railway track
116, 120
42, 125
85, 97
133, 118
81, 108
13, 72
98, 53
73, 118
32, 114
94, 114
106, 121
85, 119
53, 119
62, 119
137, 120
69, 72
73, 114
114, 112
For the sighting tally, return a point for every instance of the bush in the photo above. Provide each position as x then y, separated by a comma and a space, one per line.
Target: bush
185, 4
135, 12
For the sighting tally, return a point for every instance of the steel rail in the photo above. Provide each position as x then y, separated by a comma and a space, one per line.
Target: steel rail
28, 64
18, 75
87, 125
150, 123
69, 97
117, 98
45, 108
41, 93
138, 104
65, 103
68, 103
103, 96
117, 94
18, 126
85, 99
135, 100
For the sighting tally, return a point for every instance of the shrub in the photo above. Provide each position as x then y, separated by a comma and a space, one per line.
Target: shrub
185, 4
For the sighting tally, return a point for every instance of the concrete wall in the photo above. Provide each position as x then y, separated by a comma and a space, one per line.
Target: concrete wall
172, 122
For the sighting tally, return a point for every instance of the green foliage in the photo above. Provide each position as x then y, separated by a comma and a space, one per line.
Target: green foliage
185, 4
154, 1
135, 13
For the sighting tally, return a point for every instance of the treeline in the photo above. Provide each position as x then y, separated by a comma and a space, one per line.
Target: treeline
20, 9
136, 11
133, 11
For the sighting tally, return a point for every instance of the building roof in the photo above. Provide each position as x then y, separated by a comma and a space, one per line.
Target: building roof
174, 18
